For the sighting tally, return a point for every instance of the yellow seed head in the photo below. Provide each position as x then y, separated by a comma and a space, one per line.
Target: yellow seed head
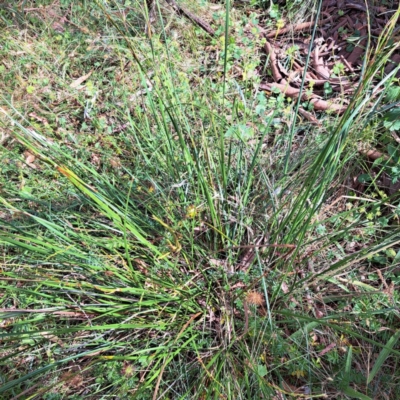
255, 298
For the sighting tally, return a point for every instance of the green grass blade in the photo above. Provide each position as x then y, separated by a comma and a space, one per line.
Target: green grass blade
355, 395
383, 355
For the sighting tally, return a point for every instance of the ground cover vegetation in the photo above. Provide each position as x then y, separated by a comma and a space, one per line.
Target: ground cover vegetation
199, 199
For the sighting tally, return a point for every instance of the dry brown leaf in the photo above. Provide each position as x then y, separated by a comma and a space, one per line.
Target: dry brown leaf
29, 157
59, 25
38, 118
318, 313
327, 349
214, 262
115, 163
79, 81
95, 158
142, 266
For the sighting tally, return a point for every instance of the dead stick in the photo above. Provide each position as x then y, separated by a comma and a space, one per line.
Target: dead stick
272, 61
296, 28
319, 104
309, 116
180, 10
319, 65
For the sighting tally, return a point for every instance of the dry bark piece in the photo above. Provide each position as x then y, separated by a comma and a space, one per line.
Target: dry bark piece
330, 3
373, 154
387, 183
319, 65
319, 104
309, 116
327, 15
350, 22
335, 29
343, 53
395, 137
326, 54
347, 64
359, 49
355, 6
322, 105
272, 61
282, 69
392, 64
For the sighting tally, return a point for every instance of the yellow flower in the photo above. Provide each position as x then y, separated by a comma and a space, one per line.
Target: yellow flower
280, 23
382, 194
299, 373
343, 341
191, 211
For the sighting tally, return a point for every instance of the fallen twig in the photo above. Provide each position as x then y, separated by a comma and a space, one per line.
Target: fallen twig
307, 115
319, 65
296, 28
318, 104
194, 18
373, 154
272, 61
